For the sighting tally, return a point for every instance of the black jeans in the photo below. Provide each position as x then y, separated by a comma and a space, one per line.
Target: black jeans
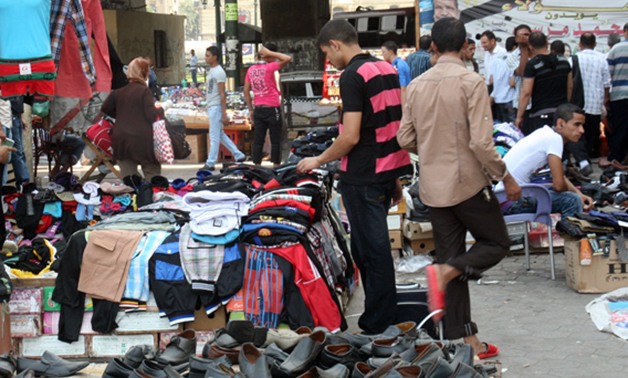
450, 225
617, 141
267, 118
367, 209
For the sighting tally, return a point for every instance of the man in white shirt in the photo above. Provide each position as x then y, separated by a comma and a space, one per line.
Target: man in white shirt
488, 41
503, 85
543, 147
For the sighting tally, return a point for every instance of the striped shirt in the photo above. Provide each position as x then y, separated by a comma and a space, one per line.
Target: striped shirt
419, 62
595, 77
71, 10
618, 68
370, 86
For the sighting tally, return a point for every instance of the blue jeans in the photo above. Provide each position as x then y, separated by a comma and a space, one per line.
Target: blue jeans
217, 135
566, 203
72, 149
18, 159
367, 209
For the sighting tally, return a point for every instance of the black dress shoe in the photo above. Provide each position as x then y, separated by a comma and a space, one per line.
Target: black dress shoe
252, 362
28, 373
179, 349
303, 356
242, 331
8, 365
199, 365
344, 354
158, 370
51, 365
138, 353
116, 368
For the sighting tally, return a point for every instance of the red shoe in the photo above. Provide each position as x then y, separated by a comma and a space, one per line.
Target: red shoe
491, 351
435, 297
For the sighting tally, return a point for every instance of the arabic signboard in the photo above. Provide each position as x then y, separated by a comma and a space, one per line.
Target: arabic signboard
566, 20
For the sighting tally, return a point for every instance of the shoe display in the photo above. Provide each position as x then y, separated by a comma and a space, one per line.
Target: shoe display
158, 370
138, 353
303, 356
252, 362
242, 331
199, 365
343, 354
8, 365
51, 365
116, 368
179, 349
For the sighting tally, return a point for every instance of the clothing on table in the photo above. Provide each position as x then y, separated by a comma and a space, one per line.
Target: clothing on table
403, 70
137, 285
419, 62
370, 86
201, 262
464, 142
71, 60
63, 11
106, 263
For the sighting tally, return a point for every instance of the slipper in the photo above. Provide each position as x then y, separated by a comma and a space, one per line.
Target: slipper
435, 297
491, 351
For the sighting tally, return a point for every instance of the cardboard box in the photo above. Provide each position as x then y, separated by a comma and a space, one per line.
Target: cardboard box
143, 322
25, 301
420, 246
114, 346
202, 338
396, 239
50, 305
25, 325
35, 347
394, 222
202, 322
51, 323
413, 230
603, 275
399, 209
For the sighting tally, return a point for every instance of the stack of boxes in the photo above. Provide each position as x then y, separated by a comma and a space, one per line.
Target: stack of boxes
35, 319
408, 236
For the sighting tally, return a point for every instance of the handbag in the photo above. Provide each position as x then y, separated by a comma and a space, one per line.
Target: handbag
577, 94
180, 146
100, 135
162, 145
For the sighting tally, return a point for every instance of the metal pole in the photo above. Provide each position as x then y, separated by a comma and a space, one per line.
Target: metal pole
218, 29
255, 12
417, 24
232, 42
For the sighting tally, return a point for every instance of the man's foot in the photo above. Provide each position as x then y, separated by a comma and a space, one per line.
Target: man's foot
489, 350
208, 168
242, 159
603, 162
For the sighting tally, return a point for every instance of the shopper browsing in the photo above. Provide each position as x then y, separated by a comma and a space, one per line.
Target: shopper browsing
371, 163
545, 147
266, 116
452, 133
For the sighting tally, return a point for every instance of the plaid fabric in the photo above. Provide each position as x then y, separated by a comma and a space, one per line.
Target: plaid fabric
72, 10
595, 77
202, 262
263, 287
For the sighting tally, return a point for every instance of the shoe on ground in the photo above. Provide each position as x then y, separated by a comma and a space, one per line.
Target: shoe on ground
208, 168
587, 170
51, 365
243, 159
489, 351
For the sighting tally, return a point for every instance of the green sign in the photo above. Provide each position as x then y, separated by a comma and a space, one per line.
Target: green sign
231, 12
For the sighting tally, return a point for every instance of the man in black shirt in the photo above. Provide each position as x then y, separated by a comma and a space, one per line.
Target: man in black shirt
547, 79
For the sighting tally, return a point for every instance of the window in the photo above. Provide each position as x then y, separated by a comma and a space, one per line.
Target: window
161, 49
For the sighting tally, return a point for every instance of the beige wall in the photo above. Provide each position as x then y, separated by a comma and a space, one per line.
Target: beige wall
132, 34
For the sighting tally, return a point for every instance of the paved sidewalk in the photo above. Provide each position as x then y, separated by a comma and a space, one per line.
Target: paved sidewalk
540, 325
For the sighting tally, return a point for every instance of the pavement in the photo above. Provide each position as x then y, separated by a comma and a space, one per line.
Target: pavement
540, 325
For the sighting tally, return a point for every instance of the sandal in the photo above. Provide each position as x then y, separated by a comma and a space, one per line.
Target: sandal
435, 297
491, 351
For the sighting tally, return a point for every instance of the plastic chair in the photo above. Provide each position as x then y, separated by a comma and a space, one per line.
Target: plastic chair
543, 211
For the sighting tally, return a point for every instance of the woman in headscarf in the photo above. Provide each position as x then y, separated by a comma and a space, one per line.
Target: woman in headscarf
134, 110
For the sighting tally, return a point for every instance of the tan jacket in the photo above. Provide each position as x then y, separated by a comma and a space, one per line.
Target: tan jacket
448, 115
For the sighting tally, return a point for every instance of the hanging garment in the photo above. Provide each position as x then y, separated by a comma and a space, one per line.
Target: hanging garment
70, 62
24, 29
27, 77
71, 10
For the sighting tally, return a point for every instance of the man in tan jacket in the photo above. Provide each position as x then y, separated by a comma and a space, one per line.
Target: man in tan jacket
447, 120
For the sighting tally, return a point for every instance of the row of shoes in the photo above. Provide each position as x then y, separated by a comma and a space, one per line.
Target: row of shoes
49, 365
401, 350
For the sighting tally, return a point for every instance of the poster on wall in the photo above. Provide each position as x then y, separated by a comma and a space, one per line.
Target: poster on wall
564, 20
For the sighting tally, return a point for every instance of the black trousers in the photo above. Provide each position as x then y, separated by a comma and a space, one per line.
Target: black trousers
367, 209
450, 225
618, 140
267, 119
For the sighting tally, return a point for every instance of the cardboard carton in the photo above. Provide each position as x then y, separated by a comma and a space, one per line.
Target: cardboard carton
603, 275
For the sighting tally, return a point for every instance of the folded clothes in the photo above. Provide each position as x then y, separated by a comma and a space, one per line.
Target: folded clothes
587, 226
